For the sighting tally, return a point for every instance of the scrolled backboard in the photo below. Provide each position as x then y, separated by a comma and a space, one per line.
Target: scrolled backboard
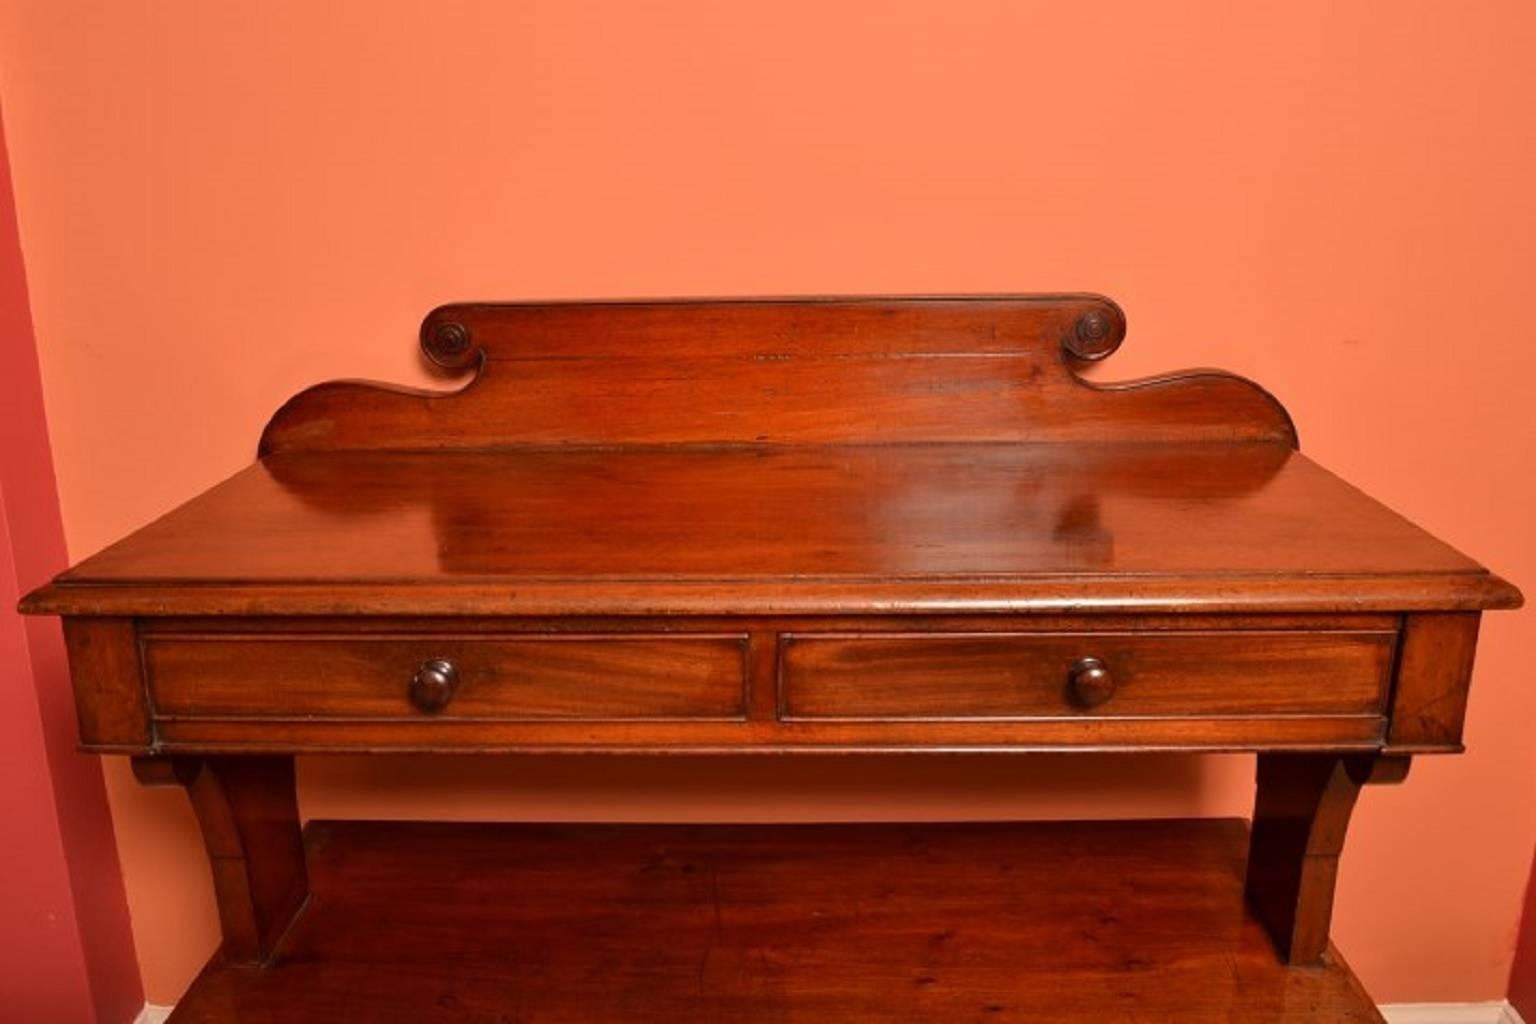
834, 371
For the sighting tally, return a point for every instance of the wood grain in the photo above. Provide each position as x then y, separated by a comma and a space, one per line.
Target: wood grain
1067, 922
1434, 677
111, 698
424, 735
248, 811
314, 683
1300, 817
1000, 675
981, 528
344, 676
833, 371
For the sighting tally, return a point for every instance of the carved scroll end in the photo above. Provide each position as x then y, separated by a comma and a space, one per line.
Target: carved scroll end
450, 344
1096, 333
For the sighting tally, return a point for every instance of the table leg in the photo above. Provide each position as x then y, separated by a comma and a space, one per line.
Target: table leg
1300, 816
249, 815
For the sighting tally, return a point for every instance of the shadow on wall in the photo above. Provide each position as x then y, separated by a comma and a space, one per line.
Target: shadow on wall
766, 788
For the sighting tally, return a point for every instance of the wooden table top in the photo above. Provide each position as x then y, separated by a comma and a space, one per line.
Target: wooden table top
773, 456
763, 529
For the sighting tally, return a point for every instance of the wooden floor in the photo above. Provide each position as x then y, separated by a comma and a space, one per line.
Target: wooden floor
469, 923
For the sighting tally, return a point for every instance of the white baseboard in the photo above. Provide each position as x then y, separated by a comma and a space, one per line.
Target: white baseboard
1451, 1013
1402, 1013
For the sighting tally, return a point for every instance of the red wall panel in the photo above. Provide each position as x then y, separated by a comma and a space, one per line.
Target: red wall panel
1522, 981
66, 951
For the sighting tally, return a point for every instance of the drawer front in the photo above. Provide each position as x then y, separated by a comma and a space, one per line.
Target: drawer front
1042, 675
553, 677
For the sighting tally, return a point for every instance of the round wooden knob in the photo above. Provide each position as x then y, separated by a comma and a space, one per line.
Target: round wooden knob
433, 684
1090, 683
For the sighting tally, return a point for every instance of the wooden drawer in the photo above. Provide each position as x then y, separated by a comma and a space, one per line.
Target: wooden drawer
1030, 675
505, 677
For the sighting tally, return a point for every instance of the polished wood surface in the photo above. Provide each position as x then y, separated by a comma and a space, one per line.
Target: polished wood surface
1300, 816
974, 527
669, 737
777, 526
831, 371
658, 685
1068, 922
527, 677
1024, 675
107, 672
1433, 680
248, 810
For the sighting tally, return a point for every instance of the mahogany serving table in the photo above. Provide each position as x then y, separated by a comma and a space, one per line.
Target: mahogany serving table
787, 526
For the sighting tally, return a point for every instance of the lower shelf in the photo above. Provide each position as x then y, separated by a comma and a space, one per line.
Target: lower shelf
1083, 922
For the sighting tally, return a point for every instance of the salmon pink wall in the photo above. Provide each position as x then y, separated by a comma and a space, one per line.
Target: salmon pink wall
223, 202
